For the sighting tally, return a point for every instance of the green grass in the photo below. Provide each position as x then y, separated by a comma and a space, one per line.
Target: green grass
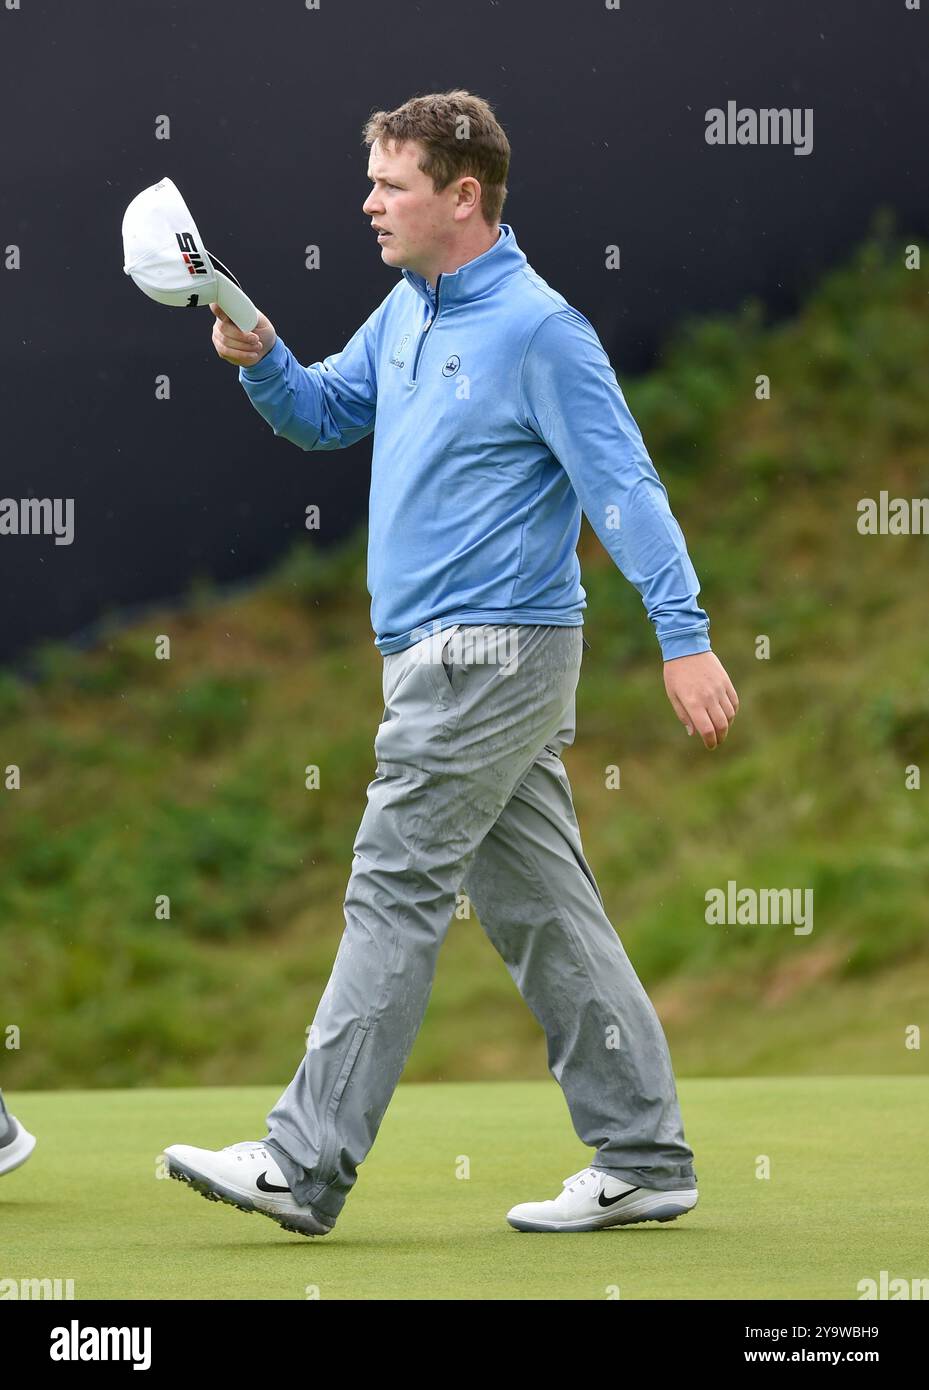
847, 1197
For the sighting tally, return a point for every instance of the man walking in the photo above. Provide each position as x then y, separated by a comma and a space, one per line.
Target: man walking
497, 418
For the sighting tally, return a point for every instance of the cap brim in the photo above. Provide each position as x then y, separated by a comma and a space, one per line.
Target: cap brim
231, 298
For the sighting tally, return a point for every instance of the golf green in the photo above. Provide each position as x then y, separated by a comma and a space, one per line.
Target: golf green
847, 1196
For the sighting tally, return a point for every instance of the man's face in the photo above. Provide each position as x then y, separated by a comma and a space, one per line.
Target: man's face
420, 223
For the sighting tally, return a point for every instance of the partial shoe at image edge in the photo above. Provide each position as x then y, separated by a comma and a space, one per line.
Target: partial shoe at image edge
17, 1148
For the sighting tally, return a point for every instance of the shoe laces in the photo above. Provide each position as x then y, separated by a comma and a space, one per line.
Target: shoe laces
581, 1177
253, 1146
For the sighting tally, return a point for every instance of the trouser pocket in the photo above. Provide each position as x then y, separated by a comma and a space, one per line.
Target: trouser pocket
434, 659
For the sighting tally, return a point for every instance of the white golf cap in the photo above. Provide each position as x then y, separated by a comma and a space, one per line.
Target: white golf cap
165, 255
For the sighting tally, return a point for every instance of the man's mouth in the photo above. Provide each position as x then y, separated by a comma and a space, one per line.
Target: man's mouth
381, 234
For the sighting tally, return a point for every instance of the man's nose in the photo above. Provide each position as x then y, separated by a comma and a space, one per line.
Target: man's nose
370, 205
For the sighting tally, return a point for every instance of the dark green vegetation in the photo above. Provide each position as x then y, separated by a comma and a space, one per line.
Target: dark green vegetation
186, 777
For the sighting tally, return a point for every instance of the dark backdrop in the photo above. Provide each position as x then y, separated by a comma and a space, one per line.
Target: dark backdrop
605, 113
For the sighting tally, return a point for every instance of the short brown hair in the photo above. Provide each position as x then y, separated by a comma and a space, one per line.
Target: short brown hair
460, 135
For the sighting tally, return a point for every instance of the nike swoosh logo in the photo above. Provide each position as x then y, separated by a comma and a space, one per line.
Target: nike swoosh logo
611, 1201
264, 1186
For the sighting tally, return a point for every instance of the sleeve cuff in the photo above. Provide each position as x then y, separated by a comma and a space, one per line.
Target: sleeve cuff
686, 644
269, 365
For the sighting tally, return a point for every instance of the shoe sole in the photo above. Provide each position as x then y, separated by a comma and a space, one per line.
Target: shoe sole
664, 1208
214, 1192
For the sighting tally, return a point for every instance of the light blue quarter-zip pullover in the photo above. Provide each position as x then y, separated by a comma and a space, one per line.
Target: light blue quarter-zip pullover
497, 418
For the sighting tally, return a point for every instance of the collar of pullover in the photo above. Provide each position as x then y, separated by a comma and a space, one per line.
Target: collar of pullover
475, 278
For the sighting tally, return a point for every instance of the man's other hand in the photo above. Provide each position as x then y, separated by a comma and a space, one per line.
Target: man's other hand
702, 694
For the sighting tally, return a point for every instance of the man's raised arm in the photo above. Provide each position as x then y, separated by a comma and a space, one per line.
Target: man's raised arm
327, 405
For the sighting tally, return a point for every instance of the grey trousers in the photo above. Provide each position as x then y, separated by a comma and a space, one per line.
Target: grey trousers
470, 795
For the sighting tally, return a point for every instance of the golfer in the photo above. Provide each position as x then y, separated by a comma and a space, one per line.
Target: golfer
497, 418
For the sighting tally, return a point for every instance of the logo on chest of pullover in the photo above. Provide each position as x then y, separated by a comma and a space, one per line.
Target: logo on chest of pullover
397, 359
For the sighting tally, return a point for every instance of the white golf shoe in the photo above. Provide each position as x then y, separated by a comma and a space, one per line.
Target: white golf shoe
591, 1199
16, 1143
246, 1176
